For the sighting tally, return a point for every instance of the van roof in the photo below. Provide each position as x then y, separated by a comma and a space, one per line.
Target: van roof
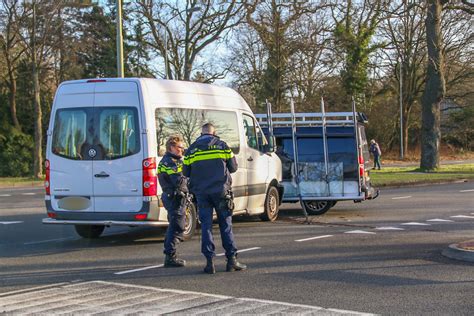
210, 94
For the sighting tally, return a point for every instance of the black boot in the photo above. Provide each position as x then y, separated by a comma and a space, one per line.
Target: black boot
234, 265
210, 269
171, 261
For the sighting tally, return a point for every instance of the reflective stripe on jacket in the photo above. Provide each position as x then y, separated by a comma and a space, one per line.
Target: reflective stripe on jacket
208, 163
170, 172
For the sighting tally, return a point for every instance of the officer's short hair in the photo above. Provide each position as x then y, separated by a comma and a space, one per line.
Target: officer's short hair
208, 128
173, 140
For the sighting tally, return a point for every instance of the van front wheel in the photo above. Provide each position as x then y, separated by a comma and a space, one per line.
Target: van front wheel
89, 231
190, 222
271, 206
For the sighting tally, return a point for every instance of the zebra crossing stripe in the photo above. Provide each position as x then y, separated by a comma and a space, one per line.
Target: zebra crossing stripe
116, 298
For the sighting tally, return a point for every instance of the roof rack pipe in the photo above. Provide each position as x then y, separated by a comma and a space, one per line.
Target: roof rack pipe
325, 146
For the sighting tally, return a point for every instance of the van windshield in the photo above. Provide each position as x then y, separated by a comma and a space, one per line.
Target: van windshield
188, 123
101, 133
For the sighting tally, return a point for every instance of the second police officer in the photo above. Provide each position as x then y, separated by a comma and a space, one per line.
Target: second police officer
174, 186
208, 163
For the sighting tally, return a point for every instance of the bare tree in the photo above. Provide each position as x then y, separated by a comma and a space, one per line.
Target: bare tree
12, 49
248, 56
36, 37
310, 65
272, 20
458, 51
435, 88
181, 33
405, 32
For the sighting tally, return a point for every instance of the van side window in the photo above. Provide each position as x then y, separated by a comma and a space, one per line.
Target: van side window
188, 123
250, 132
70, 126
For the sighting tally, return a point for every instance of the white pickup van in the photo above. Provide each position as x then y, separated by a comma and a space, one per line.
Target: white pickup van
106, 137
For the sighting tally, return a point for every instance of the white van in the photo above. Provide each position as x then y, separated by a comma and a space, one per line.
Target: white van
106, 137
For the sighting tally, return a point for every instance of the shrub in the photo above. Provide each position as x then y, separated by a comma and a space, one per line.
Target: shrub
16, 154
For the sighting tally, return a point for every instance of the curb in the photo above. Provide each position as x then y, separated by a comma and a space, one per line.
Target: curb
463, 251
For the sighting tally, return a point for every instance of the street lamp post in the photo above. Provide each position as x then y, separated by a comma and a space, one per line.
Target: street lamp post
119, 39
401, 108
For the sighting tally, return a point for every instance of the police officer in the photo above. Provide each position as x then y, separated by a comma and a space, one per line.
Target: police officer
173, 184
208, 163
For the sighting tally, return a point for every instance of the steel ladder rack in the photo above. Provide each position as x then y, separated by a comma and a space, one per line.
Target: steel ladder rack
308, 119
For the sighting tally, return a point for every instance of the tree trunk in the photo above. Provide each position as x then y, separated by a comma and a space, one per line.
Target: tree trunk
434, 89
38, 154
406, 117
12, 88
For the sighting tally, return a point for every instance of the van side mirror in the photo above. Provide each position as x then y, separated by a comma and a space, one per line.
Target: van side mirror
270, 147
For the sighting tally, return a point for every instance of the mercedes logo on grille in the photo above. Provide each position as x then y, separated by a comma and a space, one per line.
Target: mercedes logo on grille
92, 152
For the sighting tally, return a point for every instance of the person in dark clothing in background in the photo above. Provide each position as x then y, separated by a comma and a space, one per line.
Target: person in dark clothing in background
208, 163
375, 150
173, 184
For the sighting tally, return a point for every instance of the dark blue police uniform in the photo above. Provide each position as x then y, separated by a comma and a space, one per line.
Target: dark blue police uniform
170, 177
208, 163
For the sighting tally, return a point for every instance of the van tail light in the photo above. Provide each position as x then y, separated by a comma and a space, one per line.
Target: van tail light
150, 185
361, 166
140, 217
47, 183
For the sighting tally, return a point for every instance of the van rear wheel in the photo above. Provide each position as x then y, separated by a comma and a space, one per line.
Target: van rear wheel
190, 221
89, 231
318, 207
271, 206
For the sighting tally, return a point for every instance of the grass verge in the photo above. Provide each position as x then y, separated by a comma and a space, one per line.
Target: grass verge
389, 176
20, 182
394, 176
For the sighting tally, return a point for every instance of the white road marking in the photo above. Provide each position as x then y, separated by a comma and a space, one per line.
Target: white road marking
12, 222
239, 251
139, 269
439, 220
389, 228
335, 310
101, 297
32, 289
402, 197
312, 238
28, 194
415, 224
462, 191
48, 240
359, 232
462, 216
5, 195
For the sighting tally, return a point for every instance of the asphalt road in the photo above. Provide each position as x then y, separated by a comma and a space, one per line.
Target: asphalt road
381, 256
